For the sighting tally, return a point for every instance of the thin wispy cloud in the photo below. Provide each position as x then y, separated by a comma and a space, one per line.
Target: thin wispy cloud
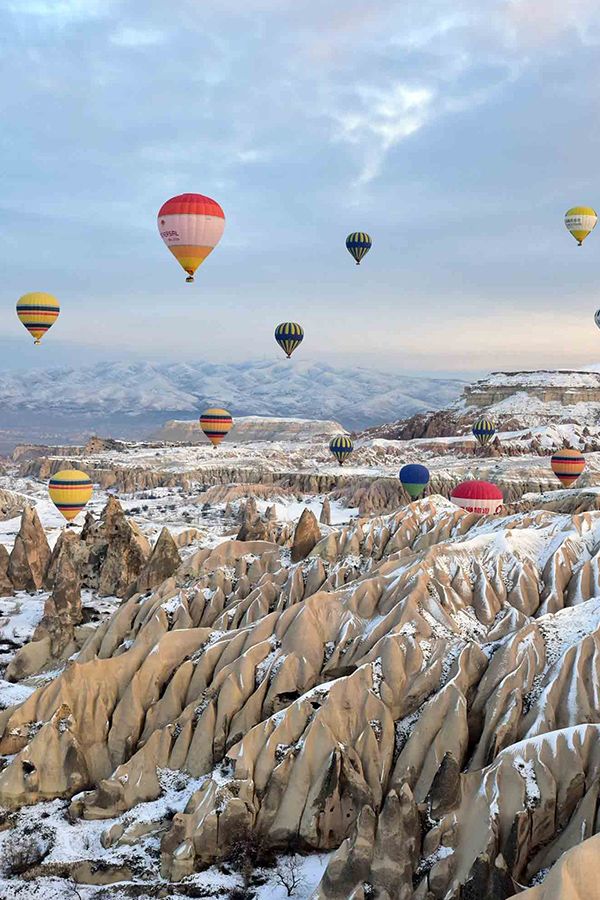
130, 36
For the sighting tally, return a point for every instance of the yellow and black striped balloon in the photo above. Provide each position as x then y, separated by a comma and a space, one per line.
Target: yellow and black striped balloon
483, 430
38, 312
289, 336
216, 423
341, 447
358, 245
70, 490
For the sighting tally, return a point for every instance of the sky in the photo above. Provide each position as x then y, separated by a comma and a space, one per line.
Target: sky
455, 132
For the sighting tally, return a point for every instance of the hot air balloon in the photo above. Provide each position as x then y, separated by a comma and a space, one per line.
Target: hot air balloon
341, 447
191, 226
70, 490
567, 465
215, 424
414, 479
478, 497
358, 245
580, 221
483, 430
597, 317
38, 312
289, 336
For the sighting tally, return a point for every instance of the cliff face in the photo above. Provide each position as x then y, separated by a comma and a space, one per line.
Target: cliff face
513, 400
563, 387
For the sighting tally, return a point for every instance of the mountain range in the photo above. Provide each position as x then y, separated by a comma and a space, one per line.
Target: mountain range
129, 399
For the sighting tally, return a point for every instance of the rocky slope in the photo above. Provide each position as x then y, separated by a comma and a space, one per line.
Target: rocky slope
513, 400
416, 696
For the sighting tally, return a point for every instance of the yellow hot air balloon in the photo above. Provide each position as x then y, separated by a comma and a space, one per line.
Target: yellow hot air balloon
215, 423
580, 221
38, 312
70, 490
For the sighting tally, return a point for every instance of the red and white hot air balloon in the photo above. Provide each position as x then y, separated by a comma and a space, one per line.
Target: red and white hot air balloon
478, 497
191, 225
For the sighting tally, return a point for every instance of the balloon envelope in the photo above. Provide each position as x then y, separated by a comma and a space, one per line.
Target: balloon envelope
215, 423
414, 479
597, 317
191, 225
580, 221
567, 465
38, 312
70, 490
358, 245
341, 447
289, 336
483, 430
478, 496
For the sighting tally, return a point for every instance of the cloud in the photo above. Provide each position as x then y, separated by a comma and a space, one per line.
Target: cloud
538, 23
129, 36
59, 11
382, 118
426, 123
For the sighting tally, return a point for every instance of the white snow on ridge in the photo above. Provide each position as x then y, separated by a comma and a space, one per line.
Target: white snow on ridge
355, 396
560, 378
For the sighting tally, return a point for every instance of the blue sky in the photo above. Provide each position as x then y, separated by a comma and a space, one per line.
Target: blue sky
456, 133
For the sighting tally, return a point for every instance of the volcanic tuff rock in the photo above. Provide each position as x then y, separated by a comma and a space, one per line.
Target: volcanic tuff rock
6, 587
421, 687
54, 636
306, 535
164, 561
62, 611
30, 554
576, 876
118, 551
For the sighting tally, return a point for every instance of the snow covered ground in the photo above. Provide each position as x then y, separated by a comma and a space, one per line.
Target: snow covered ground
181, 508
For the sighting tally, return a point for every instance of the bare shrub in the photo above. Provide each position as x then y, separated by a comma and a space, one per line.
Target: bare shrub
248, 852
288, 873
21, 852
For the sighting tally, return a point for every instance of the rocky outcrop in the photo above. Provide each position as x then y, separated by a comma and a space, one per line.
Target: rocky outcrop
54, 637
306, 535
62, 611
30, 554
576, 876
163, 562
325, 517
118, 552
6, 586
97, 444
382, 856
252, 428
565, 387
418, 695
11, 504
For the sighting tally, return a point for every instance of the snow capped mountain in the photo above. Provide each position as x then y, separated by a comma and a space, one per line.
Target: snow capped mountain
149, 393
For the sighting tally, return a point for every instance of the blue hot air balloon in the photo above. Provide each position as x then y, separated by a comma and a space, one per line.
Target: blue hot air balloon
414, 479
